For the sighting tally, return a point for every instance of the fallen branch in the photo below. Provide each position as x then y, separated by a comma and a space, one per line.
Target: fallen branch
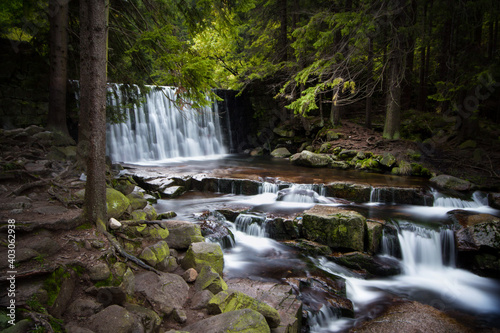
112, 239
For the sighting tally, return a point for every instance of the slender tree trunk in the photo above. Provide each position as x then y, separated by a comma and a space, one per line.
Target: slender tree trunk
369, 100
283, 29
92, 124
58, 18
424, 51
393, 113
396, 73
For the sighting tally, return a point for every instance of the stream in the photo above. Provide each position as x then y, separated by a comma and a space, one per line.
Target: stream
163, 142
427, 250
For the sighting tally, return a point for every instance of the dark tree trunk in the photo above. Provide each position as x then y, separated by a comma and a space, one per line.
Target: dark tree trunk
393, 113
58, 18
398, 50
424, 57
92, 122
283, 30
369, 100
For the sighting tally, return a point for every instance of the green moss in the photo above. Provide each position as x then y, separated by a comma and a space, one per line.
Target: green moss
110, 281
85, 226
53, 284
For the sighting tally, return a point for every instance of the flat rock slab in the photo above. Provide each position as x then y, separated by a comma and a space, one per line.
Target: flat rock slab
165, 291
413, 317
278, 296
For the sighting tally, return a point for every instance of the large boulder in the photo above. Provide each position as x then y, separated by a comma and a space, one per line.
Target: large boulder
231, 300
335, 227
494, 200
182, 234
114, 319
116, 203
281, 152
306, 158
165, 292
137, 200
241, 321
452, 183
388, 160
279, 296
204, 254
209, 279
478, 242
155, 253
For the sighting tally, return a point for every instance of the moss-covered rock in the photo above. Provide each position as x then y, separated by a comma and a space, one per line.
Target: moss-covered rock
137, 200
149, 256
161, 250
182, 234
123, 185
232, 300
348, 191
369, 164
335, 227
281, 153
138, 215
150, 212
332, 135
209, 279
116, 203
388, 160
282, 131
241, 321
204, 254
306, 158
325, 147
452, 183
339, 165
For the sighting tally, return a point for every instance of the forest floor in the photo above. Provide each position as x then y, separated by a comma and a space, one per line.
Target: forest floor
478, 163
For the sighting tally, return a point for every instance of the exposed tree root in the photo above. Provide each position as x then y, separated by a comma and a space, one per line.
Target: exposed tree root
112, 239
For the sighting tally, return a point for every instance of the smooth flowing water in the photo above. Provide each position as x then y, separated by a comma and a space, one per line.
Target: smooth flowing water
426, 251
159, 141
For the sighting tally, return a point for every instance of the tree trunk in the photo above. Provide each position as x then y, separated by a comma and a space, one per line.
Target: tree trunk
283, 29
396, 74
58, 18
92, 122
335, 114
369, 100
393, 114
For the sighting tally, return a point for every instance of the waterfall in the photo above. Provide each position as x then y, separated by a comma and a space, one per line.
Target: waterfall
252, 225
423, 248
303, 193
267, 187
158, 129
478, 200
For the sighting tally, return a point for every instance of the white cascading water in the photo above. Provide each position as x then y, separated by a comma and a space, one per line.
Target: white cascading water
478, 200
158, 130
428, 264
